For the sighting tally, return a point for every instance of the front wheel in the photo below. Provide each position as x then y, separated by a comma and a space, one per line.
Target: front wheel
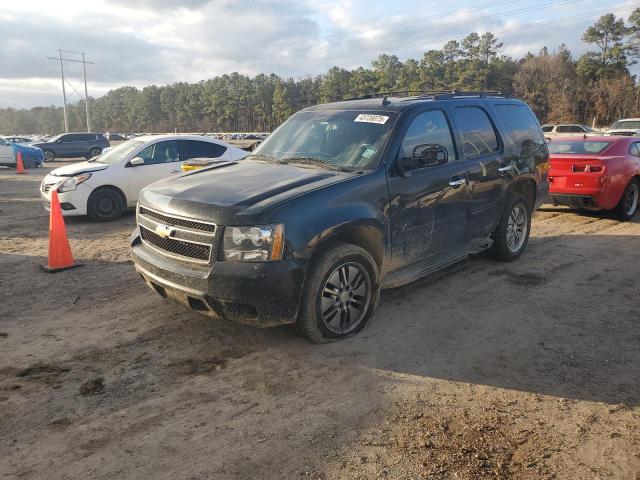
94, 152
340, 294
105, 205
628, 205
511, 236
49, 156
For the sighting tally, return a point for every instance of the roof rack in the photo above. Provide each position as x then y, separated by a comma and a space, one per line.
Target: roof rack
436, 95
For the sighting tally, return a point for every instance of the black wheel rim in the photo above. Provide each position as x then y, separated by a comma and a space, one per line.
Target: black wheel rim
105, 206
94, 153
48, 156
345, 298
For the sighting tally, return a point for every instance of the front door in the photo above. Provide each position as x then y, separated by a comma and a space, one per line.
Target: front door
428, 192
161, 160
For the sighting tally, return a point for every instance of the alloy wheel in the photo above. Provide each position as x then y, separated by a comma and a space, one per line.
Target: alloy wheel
345, 298
631, 199
517, 226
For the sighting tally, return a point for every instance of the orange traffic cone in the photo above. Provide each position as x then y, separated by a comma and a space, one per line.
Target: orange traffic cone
19, 164
60, 257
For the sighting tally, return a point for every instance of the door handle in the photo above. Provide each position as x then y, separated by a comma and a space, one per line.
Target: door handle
455, 183
505, 169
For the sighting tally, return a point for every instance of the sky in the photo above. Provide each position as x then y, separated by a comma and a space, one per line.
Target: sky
143, 42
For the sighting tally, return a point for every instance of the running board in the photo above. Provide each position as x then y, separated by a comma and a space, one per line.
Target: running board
431, 265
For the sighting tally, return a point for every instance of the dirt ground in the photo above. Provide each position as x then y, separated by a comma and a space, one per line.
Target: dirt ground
525, 370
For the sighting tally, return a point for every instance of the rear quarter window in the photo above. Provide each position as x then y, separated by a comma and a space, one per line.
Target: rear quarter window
520, 124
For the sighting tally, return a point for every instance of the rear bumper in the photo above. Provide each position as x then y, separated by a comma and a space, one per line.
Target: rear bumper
260, 294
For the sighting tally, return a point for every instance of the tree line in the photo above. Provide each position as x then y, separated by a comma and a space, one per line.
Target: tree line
595, 88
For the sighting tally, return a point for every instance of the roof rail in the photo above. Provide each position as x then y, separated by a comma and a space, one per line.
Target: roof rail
436, 95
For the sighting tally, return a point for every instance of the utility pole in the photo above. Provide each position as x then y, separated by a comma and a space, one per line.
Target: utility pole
64, 94
86, 92
64, 82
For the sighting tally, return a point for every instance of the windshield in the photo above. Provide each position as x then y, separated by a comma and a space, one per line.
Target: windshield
627, 125
581, 148
53, 139
116, 154
335, 139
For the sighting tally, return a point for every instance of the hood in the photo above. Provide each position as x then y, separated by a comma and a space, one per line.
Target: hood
623, 131
77, 168
22, 147
223, 192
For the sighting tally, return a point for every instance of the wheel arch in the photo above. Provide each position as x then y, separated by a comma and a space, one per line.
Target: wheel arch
108, 187
526, 187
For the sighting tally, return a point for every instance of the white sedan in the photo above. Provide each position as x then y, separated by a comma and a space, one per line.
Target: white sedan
105, 186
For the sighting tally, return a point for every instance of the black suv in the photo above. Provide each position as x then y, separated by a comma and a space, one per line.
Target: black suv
340, 201
70, 145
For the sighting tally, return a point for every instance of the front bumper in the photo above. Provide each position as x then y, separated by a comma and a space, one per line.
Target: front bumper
260, 294
73, 203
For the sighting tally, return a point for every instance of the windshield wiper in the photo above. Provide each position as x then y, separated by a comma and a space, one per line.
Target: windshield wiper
315, 162
266, 158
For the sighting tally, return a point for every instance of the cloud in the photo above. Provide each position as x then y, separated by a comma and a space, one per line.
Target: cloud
163, 41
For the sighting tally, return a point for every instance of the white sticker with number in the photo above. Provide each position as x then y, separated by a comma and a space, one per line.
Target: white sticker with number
365, 117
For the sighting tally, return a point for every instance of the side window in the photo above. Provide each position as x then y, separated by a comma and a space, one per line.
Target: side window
66, 139
569, 129
547, 128
194, 149
476, 131
521, 126
428, 142
161, 152
634, 149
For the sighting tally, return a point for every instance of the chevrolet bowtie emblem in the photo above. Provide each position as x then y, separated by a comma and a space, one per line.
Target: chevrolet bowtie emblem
165, 231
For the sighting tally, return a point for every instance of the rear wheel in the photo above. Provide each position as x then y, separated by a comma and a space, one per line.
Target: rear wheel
511, 236
340, 293
628, 205
105, 205
49, 156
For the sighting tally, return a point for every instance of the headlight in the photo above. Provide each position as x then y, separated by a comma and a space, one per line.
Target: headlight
263, 243
73, 182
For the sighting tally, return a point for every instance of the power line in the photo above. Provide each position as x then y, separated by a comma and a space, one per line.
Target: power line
507, 30
84, 62
387, 34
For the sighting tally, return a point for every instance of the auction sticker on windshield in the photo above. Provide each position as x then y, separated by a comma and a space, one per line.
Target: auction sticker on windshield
368, 118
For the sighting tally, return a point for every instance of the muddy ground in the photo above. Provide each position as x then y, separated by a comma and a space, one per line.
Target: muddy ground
525, 370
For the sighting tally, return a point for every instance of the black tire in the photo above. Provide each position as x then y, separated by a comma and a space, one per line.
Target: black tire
628, 205
504, 248
333, 260
105, 205
49, 156
94, 152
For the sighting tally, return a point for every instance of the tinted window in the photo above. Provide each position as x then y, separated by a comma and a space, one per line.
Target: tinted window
161, 152
581, 148
634, 149
520, 124
547, 128
427, 132
476, 131
194, 149
569, 129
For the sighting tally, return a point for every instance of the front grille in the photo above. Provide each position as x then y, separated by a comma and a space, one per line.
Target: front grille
177, 247
178, 222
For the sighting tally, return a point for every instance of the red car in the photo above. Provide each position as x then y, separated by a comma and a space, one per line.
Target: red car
596, 173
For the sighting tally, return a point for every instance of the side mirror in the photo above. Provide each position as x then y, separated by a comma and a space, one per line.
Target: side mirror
136, 162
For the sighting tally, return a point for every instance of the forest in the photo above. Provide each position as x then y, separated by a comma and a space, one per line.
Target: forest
596, 88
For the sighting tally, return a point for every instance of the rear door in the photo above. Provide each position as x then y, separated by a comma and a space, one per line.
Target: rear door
483, 150
428, 212
161, 160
